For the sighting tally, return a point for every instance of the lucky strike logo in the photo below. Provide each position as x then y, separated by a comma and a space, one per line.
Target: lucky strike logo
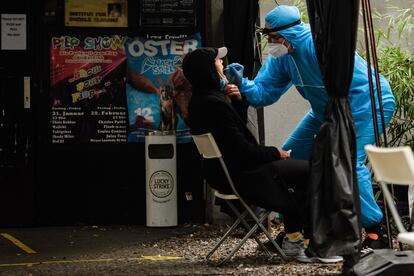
161, 184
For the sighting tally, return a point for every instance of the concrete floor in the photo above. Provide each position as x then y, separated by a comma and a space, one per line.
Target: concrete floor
138, 250
96, 250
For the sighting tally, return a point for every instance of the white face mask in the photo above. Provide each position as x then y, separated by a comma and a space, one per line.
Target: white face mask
277, 49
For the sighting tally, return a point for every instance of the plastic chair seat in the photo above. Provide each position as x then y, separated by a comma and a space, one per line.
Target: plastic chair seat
226, 196
394, 166
406, 237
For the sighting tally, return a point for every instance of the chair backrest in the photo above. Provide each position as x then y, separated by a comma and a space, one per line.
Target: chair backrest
392, 165
206, 145
208, 148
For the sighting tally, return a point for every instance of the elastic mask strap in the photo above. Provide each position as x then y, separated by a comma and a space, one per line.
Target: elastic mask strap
284, 27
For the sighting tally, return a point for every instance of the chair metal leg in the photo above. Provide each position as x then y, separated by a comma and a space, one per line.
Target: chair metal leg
272, 241
248, 227
264, 230
387, 222
251, 232
237, 247
269, 237
264, 248
235, 224
256, 238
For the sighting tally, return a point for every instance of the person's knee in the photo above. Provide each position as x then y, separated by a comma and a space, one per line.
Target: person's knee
300, 149
303, 137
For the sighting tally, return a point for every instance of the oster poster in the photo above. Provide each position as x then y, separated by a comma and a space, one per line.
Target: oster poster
157, 91
87, 78
96, 13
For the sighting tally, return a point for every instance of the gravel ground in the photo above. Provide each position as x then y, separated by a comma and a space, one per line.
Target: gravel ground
247, 261
147, 251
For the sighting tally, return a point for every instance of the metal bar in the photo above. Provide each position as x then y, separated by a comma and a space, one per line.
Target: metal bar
366, 13
237, 222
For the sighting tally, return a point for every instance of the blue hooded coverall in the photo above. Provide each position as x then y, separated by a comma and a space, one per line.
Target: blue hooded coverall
301, 69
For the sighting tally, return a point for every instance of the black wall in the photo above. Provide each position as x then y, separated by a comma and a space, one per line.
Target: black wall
49, 184
16, 128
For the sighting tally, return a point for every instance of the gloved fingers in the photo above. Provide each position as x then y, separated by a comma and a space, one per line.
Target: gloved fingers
236, 67
234, 72
230, 72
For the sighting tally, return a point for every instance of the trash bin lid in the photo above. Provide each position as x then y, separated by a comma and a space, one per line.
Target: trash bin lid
160, 132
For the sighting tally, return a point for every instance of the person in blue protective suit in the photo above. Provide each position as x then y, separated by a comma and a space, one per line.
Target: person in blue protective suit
293, 61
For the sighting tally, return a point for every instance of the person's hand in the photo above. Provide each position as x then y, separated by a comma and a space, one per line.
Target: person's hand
284, 154
231, 90
234, 72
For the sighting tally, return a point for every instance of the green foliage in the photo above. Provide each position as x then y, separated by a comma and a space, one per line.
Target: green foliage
400, 25
397, 65
301, 5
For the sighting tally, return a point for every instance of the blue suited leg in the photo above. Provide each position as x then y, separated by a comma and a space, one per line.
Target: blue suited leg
371, 214
302, 138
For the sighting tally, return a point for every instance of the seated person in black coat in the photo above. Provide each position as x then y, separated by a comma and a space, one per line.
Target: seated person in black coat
263, 175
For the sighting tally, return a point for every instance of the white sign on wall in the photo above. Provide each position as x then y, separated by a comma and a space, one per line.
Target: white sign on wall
13, 31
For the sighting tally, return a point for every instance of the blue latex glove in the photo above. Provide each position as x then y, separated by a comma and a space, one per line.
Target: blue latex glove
234, 73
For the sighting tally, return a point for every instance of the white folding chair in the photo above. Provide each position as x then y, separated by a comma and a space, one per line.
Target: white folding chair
394, 166
208, 148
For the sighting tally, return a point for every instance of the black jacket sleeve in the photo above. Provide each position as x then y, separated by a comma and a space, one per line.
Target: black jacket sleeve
232, 138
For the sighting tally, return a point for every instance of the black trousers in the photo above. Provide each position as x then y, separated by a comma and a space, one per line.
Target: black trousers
294, 176
285, 192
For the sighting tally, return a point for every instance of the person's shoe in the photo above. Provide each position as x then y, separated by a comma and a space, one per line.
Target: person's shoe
291, 248
278, 240
375, 241
305, 257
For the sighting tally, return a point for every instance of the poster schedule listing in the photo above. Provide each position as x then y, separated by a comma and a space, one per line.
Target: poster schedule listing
63, 122
111, 125
71, 124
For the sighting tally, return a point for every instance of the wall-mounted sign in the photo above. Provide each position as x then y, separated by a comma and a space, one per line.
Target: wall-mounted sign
157, 91
87, 77
13, 31
167, 13
96, 13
